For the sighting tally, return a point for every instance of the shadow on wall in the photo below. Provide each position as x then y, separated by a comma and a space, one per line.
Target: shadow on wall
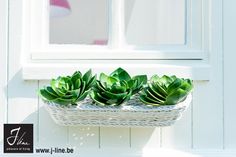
19, 88
48, 134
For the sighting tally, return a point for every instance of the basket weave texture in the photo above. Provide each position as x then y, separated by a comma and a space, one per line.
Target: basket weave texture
131, 114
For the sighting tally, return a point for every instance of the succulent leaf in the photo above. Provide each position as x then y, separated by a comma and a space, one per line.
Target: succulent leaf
141, 80
97, 98
77, 83
82, 96
121, 74
178, 96
51, 91
144, 99
76, 76
68, 90
155, 92
116, 88
165, 90
107, 81
87, 76
46, 95
91, 83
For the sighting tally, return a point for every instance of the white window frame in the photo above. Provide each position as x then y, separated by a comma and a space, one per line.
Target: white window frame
188, 60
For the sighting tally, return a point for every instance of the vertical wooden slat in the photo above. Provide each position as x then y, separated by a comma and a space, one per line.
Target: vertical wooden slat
22, 97
207, 115
208, 95
229, 73
116, 137
145, 138
3, 64
178, 135
83, 137
50, 134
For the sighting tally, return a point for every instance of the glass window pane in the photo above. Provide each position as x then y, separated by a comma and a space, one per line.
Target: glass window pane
152, 22
78, 22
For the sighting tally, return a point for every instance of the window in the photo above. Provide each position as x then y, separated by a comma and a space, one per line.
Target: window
137, 33
152, 22
155, 22
85, 23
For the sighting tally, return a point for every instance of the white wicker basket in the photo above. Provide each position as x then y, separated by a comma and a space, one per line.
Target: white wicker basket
134, 113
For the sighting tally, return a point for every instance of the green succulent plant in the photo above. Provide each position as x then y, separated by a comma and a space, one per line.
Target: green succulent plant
116, 88
136, 82
166, 90
66, 90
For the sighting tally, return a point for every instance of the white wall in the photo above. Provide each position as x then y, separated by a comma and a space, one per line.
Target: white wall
3, 69
208, 123
229, 73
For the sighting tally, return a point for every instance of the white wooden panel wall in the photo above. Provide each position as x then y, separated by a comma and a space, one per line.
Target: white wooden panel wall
22, 97
208, 96
207, 124
3, 64
229, 73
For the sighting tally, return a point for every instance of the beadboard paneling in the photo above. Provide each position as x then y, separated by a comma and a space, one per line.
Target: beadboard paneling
179, 135
82, 137
22, 97
208, 96
50, 134
207, 124
114, 137
207, 117
145, 137
3, 64
229, 74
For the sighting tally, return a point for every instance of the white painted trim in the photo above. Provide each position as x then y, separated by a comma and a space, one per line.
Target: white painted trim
116, 23
37, 52
38, 71
36, 34
118, 54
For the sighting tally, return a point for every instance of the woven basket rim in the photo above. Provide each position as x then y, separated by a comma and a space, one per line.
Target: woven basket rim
141, 107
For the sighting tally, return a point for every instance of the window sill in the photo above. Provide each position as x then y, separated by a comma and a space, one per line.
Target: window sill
46, 71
